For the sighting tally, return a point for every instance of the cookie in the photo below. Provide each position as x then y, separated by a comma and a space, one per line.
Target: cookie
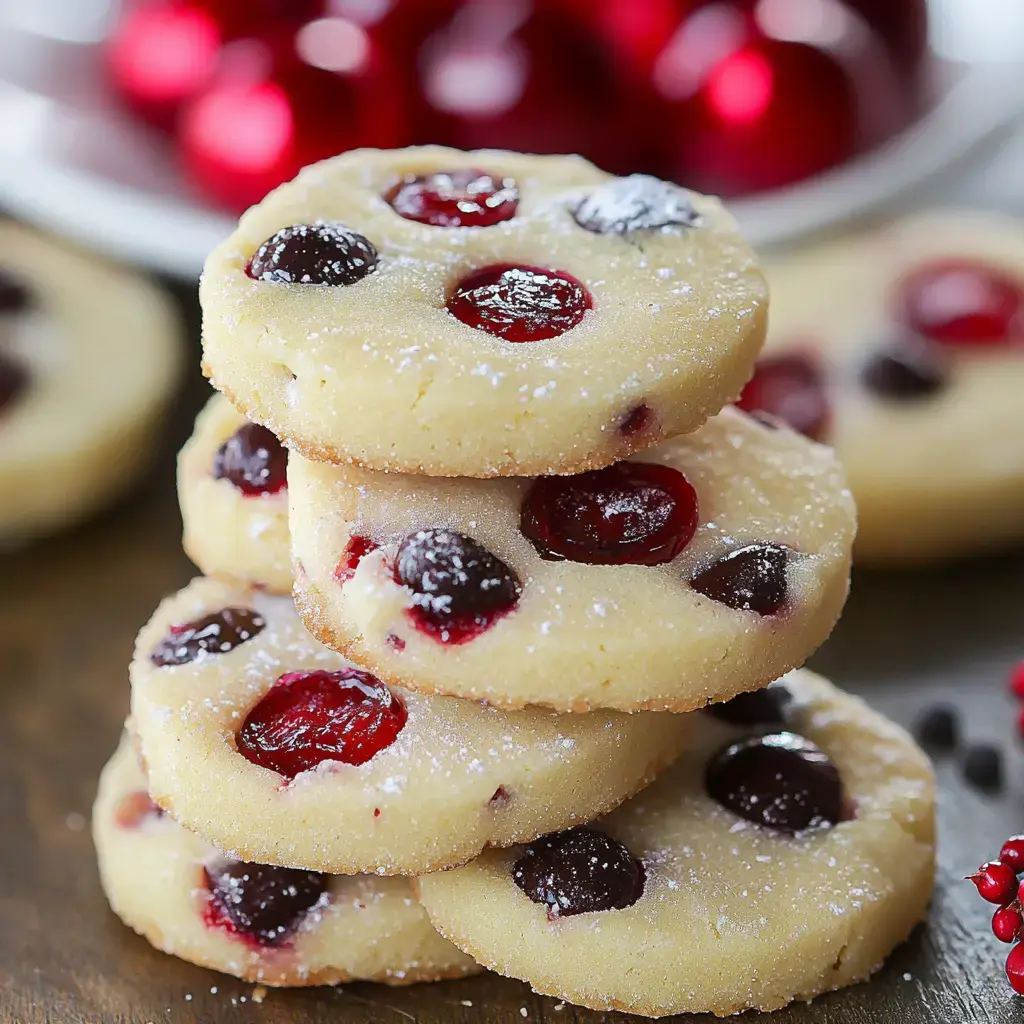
903, 347
234, 504
89, 357
480, 314
693, 572
273, 925
279, 751
773, 862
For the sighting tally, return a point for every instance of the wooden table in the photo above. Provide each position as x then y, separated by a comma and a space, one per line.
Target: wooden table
69, 610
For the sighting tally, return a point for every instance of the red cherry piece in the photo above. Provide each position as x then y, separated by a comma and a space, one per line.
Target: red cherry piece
1017, 680
632, 513
309, 717
751, 578
355, 551
14, 381
1012, 853
960, 302
638, 420
253, 460
995, 882
134, 808
520, 303
791, 387
217, 633
635, 203
1006, 923
261, 903
459, 587
317, 254
455, 199
1015, 969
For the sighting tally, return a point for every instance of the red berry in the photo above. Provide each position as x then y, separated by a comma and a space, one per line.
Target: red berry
632, 513
519, 303
213, 634
1012, 853
253, 460
962, 302
995, 881
452, 199
1017, 680
356, 550
310, 717
1015, 968
792, 387
1006, 923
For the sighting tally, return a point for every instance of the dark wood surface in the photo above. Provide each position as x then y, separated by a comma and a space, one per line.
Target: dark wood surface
69, 611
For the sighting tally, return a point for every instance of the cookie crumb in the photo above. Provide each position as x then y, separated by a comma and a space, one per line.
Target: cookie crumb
213, 990
466, 1002
259, 993
559, 1006
188, 997
907, 976
523, 1012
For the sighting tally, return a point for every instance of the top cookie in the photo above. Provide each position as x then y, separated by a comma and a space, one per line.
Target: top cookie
480, 314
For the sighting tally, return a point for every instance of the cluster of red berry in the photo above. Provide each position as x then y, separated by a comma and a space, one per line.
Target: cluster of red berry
730, 96
997, 882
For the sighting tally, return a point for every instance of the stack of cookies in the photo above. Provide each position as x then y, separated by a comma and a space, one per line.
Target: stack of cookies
527, 545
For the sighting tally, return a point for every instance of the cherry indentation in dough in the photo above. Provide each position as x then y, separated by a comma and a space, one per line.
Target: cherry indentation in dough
519, 303
632, 513
466, 198
791, 387
309, 717
134, 808
15, 295
638, 420
459, 587
768, 706
14, 380
261, 903
781, 781
216, 633
752, 578
906, 371
962, 302
318, 254
252, 459
579, 871
500, 799
357, 548
638, 202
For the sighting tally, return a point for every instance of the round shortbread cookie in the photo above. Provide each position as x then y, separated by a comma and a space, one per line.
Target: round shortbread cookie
375, 369
725, 914
903, 347
168, 885
570, 635
235, 529
429, 781
89, 357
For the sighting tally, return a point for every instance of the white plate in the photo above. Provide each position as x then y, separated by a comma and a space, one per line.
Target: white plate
72, 162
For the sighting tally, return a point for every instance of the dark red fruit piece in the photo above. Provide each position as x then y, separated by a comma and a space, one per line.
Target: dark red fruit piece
453, 199
355, 551
983, 766
1015, 968
768, 706
459, 587
995, 881
253, 460
638, 202
1012, 853
960, 302
791, 387
938, 728
309, 717
579, 871
751, 578
781, 781
15, 295
216, 633
262, 903
134, 808
632, 513
637, 421
1007, 923
328, 254
519, 303
907, 371
1017, 680
14, 380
